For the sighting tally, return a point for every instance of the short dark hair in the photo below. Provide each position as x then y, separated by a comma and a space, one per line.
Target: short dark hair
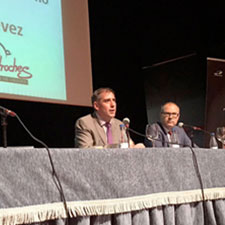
96, 93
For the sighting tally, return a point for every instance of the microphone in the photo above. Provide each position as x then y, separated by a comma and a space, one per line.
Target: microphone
7, 112
181, 124
126, 122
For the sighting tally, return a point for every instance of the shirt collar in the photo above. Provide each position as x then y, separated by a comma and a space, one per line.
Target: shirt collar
167, 130
101, 121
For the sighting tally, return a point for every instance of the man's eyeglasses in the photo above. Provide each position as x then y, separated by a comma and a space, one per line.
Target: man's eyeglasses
167, 114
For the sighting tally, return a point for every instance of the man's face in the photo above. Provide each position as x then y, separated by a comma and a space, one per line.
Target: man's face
106, 106
170, 115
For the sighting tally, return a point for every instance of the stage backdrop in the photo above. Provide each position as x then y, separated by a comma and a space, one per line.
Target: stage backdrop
181, 80
215, 100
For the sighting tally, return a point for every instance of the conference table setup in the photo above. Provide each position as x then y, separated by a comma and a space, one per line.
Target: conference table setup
112, 186
57, 58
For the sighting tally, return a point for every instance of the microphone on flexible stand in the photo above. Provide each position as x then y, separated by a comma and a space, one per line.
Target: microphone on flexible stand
193, 128
126, 122
181, 124
194, 155
4, 112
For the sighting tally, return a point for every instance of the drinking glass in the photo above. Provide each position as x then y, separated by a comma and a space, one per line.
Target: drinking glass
152, 133
174, 140
220, 135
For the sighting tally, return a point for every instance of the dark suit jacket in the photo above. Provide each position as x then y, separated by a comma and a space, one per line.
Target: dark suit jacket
162, 141
89, 132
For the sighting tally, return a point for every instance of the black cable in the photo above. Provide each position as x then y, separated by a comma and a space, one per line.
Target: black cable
54, 174
196, 166
154, 139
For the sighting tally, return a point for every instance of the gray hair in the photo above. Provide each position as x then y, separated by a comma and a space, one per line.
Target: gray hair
168, 103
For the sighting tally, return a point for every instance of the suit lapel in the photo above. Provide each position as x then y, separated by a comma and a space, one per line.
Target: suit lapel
100, 130
165, 140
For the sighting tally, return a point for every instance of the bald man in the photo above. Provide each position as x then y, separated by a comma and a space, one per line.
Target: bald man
167, 129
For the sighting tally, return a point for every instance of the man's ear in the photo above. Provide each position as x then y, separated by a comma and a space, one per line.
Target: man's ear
95, 105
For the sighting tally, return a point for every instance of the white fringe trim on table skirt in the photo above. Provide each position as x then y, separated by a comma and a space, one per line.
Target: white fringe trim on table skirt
53, 211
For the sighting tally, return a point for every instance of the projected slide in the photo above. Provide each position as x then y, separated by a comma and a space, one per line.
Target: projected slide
31, 49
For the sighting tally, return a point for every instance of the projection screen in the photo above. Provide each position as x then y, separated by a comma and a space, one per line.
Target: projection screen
45, 51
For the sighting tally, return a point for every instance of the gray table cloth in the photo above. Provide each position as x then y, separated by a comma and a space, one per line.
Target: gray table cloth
113, 186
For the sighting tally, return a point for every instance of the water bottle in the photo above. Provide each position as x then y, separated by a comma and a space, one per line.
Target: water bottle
123, 137
212, 142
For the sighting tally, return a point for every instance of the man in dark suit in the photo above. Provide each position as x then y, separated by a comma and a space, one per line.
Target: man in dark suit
168, 133
92, 130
